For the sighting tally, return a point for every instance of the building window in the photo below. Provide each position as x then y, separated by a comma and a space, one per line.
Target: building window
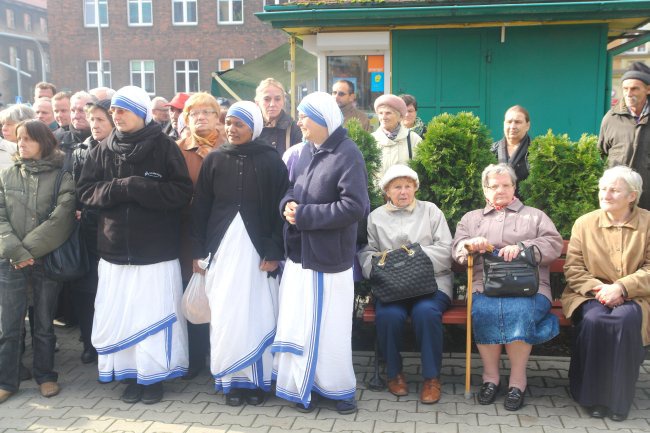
275, 2
184, 12
31, 65
27, 22
92, 74
43, 22
13, 54
640, 49
89, 13
226, 64
186, 74
231, 11
140, 13
143, 74
11, 19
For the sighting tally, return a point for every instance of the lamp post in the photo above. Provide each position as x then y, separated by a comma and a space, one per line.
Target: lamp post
100, 66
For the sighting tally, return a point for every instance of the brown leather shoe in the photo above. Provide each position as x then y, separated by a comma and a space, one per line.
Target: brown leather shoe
4, 395
398, 386
430, 392
49, 389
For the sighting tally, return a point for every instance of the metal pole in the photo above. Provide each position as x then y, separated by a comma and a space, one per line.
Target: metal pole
100, 66
292, 56
41, 51
18, 81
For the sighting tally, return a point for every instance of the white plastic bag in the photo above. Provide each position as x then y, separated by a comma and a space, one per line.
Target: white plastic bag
195, 305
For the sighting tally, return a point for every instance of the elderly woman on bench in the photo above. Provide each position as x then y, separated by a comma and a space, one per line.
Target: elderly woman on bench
401, 221
514, 322
608, 296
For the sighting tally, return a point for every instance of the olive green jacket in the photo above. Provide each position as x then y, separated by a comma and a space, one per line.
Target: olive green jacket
27, 230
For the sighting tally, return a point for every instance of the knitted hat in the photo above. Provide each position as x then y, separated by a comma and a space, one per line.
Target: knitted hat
637, 71
395, 102
134, 99
322, 108
396, 171
250, 114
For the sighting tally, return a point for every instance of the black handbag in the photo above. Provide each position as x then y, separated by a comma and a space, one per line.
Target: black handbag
403, 273
519, 277
70, 260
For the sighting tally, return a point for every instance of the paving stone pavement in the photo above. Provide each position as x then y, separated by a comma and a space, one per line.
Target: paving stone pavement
84, 405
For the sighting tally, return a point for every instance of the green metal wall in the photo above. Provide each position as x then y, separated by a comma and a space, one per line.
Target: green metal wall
557, 72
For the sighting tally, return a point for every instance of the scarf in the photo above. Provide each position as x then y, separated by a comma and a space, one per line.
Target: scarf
133, 147
418, 127
497, 207
392, 134
203, 145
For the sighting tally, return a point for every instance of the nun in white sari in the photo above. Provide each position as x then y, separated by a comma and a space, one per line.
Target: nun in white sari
328, 195
235, 218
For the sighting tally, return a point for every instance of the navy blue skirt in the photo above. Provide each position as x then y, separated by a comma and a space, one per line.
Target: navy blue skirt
502, 320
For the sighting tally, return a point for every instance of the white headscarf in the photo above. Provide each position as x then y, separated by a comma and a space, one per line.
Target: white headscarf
134, 99
250, 114
322, 108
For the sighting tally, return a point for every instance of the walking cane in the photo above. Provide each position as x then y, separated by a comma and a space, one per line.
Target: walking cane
468, 334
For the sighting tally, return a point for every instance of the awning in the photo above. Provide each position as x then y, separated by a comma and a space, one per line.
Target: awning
244, 79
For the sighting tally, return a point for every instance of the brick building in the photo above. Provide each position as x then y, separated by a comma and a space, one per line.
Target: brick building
23, 45
164, 46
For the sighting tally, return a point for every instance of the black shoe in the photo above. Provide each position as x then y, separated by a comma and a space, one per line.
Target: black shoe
618, 417
255, 397
192, 372
346, 407
312, 404
132, 393
89, 355
598, 411
152, 393
514, 399
488, 393
25, 374
235, 397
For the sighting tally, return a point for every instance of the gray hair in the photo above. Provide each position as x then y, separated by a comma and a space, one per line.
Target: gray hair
82, 94
631, 178
501, 168
17, 113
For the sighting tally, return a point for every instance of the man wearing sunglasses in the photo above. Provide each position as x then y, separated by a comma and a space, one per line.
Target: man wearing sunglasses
343, 91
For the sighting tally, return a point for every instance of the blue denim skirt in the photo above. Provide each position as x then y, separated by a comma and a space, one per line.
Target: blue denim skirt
504, 320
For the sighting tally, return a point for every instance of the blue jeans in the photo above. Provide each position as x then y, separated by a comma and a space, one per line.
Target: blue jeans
426, 316
13, 304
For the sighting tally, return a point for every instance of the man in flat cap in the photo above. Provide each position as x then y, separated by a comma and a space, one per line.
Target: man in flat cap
625, 133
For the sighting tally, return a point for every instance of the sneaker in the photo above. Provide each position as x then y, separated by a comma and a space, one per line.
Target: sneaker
153, 393
346, 407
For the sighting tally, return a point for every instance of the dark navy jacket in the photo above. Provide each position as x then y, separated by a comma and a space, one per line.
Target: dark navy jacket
330, 185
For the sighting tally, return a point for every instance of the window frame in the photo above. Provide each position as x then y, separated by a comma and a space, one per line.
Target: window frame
31, 60
185, 6
187, 73
140, 4
27, 22
232, 61
143, 73
230, 12
106, 71
101, 4
10, 18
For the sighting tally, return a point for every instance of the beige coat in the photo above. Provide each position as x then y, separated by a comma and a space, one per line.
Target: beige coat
517, 223
600, 252
395, 151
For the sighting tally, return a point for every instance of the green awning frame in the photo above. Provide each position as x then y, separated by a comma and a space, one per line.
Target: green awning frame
240, 82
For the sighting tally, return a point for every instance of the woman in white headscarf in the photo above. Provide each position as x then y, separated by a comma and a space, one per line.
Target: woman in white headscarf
235, 219
327, 197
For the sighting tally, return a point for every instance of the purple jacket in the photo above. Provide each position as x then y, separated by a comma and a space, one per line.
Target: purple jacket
330, 185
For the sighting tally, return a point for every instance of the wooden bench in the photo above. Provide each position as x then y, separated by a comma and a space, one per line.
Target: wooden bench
457, 313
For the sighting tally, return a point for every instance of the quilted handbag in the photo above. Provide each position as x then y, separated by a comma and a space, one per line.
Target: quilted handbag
519, 277
69, 261
402, 273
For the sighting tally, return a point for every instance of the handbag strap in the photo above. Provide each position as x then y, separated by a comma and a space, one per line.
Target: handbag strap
408, 142
532, 248
67, 168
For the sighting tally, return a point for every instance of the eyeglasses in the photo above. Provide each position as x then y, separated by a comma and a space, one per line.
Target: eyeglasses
197, 113
339, 93
496, 187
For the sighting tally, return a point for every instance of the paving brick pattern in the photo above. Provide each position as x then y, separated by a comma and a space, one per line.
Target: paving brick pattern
86, 406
